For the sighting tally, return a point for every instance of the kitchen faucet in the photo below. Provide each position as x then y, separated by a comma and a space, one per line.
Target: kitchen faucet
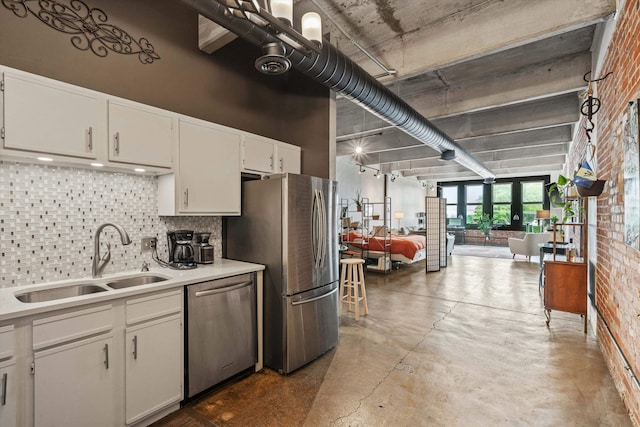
99, 263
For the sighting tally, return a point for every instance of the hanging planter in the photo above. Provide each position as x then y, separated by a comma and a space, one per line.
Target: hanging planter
596, 189
586, 182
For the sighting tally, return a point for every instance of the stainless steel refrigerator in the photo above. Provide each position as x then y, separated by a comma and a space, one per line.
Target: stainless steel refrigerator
289, 224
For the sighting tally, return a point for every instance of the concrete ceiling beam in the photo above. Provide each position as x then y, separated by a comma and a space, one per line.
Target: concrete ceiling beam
503, 25
537, 155
502, 173
521, 164
517, 140
559, 110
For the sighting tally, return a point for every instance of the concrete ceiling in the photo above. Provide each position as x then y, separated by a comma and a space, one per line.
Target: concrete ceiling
502, 78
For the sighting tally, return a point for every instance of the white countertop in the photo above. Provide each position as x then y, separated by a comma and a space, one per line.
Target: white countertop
12, 308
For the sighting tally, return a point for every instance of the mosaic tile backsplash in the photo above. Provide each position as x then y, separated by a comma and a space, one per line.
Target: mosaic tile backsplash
49, 214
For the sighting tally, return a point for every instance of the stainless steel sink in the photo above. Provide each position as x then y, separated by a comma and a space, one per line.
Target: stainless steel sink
128, 282
43, 295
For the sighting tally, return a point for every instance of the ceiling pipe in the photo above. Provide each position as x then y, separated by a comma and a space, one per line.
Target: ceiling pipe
334, 70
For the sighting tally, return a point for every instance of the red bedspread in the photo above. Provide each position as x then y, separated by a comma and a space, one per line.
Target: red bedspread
404, 245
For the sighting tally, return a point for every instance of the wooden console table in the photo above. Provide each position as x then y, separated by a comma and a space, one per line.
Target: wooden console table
565, 282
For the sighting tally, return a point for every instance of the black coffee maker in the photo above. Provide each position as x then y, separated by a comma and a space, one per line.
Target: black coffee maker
180, 250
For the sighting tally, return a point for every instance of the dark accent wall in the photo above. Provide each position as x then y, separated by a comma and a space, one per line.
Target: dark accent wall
224, 87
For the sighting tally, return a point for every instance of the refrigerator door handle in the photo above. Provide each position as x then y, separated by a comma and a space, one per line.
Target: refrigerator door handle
308, 300
324, 229
316, 229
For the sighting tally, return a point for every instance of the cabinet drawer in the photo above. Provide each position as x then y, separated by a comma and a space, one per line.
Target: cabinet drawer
154, 306
6, 342
71, 326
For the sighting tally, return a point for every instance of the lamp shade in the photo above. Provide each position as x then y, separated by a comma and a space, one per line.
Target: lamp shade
282, 9
398, 215
312, 28
543, 214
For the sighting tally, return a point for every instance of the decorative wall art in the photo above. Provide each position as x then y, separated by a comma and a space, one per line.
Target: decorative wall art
88, 26
631, 140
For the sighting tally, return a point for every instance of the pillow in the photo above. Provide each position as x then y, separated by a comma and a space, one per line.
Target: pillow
378, 231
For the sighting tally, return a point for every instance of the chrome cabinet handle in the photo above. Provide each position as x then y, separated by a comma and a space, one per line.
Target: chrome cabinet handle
90, 139
186, 198
4, 389
106, 356
135, 347
116, 144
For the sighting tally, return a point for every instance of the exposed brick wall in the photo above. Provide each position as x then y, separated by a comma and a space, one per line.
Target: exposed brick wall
618, 265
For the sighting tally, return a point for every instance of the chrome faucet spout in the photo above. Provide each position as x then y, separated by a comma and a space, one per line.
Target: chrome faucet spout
99, 263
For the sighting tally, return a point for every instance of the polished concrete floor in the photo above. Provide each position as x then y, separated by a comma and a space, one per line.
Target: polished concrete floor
466, 346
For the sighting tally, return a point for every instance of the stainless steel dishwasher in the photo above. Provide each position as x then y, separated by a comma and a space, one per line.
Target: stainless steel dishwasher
221, 330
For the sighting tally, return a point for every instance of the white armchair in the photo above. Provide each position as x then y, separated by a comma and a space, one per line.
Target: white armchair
529, 245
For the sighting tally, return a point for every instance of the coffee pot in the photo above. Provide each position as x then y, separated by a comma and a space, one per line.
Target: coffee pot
180, 249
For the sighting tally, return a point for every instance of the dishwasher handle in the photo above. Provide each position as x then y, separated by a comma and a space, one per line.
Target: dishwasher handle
308, 300
232, 287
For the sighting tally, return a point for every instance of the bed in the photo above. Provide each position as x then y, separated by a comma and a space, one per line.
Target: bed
404, 249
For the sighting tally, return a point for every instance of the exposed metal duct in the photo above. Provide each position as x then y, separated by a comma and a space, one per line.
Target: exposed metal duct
334, 70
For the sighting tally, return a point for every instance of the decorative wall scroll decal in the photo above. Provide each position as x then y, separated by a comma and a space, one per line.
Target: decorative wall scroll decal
88, 26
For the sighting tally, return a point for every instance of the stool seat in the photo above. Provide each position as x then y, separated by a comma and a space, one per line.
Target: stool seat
352, 288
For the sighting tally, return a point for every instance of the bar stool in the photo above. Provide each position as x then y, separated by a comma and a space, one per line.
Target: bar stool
352, 289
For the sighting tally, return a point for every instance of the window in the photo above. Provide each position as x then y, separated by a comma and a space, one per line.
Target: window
451, 194
474, 198
512, 202
532, 200
502, 197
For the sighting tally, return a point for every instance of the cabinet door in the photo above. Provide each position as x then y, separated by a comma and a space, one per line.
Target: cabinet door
288, 159
209, 170
7, 395
139, 135
257, 154
51, 118
74, 384
153, 367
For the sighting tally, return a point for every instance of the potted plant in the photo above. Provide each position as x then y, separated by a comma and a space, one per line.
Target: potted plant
485, 224
358, 201
561, 194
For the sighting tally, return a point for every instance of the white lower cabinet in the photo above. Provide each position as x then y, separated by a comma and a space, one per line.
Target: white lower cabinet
110, 365
74, 384
7, 394
153, 367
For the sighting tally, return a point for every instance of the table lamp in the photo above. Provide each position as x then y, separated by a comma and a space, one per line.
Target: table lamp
399, 216
542, 215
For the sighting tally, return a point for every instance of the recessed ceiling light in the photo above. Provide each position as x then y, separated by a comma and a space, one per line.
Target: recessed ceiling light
45, 159
358, 150
97, 165
139, 170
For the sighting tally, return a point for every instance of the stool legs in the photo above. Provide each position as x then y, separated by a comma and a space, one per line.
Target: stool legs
363, 291
352, 288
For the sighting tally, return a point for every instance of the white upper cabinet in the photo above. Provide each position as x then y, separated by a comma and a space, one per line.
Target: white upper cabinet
288, 159
207, 180
45, 116
258, 154
266, 156
139, 135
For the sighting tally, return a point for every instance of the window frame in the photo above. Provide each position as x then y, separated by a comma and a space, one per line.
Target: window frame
487, 198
